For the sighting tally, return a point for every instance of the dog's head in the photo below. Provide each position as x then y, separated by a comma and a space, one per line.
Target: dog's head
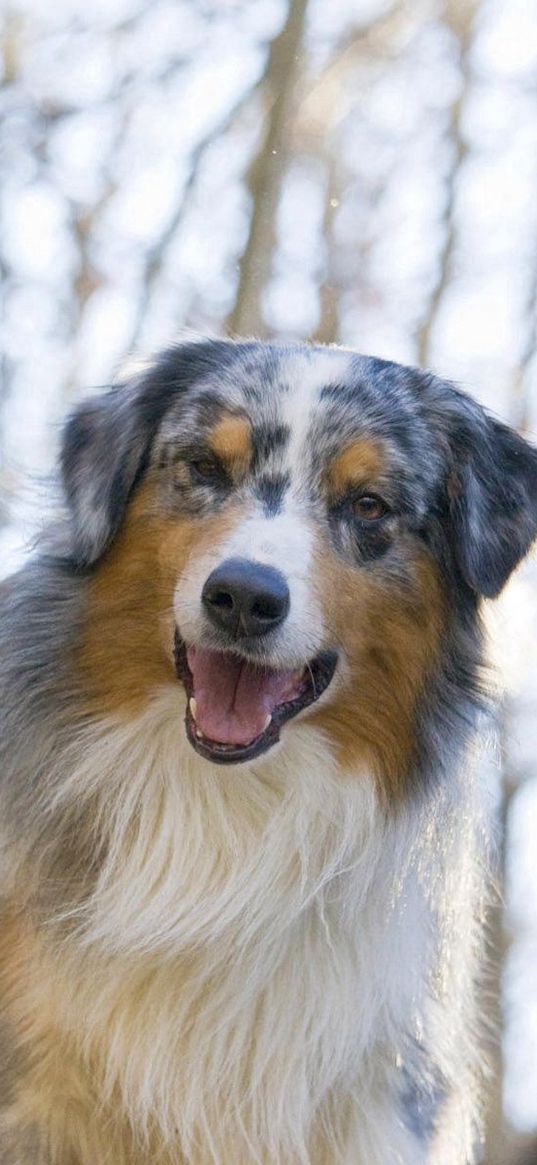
299, 529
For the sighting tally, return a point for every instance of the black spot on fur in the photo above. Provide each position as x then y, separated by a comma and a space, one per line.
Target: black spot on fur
270, 489
372, 541
268, 439
336, 392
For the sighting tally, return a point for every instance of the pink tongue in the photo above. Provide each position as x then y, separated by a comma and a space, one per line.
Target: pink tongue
233, 698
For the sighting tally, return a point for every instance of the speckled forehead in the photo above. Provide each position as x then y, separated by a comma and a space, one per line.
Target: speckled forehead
305, 376
287, 410
278, 393
283, 417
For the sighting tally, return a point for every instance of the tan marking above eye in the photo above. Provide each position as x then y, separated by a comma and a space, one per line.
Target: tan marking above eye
358, 464
231, 442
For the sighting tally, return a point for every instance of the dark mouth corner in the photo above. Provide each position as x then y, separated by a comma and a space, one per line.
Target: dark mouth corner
317, 676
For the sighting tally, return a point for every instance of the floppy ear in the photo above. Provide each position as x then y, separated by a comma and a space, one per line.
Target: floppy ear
493, 500
105, 448
107, 441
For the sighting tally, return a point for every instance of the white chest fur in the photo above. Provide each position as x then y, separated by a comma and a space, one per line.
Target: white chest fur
256, 955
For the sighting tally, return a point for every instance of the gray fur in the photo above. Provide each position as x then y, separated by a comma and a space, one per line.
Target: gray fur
458, 481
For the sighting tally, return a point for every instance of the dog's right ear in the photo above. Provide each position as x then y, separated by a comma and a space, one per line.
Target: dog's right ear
107, 442
105, 448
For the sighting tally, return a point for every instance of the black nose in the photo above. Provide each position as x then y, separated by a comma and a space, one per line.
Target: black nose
246, 598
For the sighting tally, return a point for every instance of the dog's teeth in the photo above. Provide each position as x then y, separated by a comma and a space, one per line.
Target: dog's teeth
199, 734
267, 722
193, 707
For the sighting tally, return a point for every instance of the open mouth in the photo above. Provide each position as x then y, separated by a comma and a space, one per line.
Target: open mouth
235, 710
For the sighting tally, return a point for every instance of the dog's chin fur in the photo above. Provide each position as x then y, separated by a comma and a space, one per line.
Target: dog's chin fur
271, 963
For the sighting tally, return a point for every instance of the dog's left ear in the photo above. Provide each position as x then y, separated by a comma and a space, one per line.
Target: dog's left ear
492, 498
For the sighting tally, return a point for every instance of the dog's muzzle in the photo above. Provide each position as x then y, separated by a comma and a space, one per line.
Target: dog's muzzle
236, 707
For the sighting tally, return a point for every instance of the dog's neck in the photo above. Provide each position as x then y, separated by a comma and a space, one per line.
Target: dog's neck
246, 940
244, 923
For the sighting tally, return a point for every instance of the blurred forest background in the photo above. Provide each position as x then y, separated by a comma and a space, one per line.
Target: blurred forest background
361, 171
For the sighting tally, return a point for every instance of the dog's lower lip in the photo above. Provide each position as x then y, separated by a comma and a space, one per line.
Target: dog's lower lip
318, 674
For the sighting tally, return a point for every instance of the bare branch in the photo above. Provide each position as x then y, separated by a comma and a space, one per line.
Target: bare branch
156, 256
326, 331
519, 395
459, 18
266, 172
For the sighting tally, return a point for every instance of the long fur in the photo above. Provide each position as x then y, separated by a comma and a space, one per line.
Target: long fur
262, 966
251, 990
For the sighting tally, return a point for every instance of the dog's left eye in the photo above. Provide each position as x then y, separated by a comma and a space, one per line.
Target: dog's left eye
369, 508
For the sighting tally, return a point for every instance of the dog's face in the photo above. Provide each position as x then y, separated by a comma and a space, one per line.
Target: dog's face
309, 523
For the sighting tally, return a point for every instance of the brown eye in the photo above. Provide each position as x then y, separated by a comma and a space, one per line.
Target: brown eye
369, 508
203, 469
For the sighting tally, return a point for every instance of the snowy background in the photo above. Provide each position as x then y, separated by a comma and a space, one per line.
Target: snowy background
353, 170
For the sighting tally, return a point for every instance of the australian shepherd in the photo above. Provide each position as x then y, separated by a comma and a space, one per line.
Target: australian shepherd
241, 837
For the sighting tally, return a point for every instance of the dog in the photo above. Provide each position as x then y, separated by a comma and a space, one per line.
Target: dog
241, 834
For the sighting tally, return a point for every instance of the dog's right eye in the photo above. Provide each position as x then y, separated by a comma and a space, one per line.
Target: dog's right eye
206, 471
